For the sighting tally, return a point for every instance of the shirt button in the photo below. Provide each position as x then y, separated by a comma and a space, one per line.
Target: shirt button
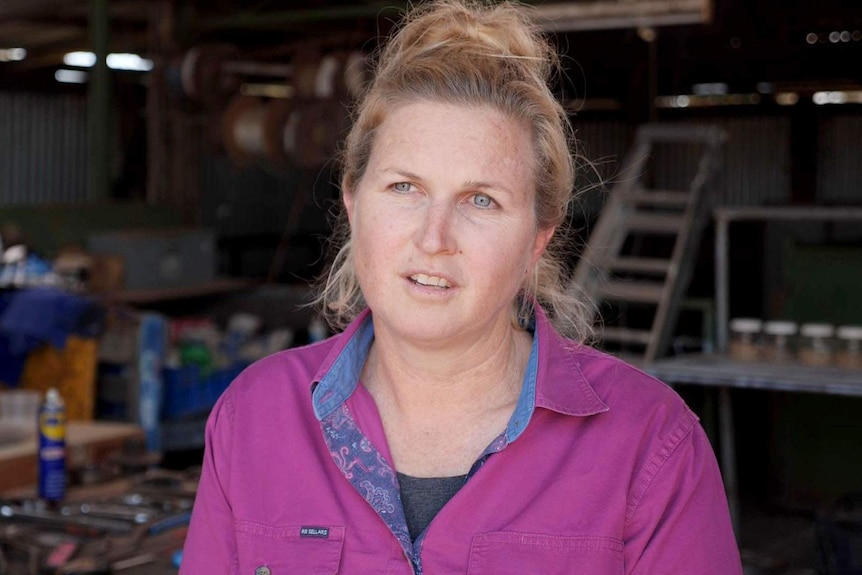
262, 570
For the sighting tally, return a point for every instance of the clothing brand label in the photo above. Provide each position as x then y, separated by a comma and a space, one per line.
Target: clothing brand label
322, 532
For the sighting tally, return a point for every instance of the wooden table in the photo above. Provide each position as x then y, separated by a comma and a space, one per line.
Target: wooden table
86, 443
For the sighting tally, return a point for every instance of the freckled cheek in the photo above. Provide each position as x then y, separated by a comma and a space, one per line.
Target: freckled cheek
390, 224
375, 241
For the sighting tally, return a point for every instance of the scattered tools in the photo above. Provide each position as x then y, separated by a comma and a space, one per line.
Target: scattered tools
18, 552
74, 525
137, 530
135, 515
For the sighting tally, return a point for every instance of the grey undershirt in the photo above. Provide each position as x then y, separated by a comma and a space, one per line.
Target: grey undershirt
424, 497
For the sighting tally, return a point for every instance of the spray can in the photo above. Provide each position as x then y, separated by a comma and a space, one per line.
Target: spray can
52, 447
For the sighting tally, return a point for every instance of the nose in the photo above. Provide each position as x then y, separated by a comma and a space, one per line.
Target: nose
435, 232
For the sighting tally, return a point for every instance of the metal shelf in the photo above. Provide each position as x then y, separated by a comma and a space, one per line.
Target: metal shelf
723, 371
723, 218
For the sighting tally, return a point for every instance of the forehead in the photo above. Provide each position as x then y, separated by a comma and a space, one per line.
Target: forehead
481, 137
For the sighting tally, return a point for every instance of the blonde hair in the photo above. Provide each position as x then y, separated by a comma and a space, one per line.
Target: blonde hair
470, 53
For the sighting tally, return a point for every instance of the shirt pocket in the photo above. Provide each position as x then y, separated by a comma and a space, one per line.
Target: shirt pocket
288, 549
511, 553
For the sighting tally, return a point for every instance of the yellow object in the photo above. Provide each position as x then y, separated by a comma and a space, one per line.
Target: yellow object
53, 426
72, 370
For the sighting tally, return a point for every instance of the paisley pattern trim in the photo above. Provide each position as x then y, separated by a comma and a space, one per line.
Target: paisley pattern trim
369, 473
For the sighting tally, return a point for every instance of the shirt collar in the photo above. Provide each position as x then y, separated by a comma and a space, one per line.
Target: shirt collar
562, 385
553, 378
338, 376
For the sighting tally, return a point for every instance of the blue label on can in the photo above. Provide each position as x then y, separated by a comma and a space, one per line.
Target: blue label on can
52, 453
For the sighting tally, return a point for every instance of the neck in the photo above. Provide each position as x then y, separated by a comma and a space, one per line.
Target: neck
484, 376
441, 407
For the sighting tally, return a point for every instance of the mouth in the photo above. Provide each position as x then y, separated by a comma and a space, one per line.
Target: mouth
430, 281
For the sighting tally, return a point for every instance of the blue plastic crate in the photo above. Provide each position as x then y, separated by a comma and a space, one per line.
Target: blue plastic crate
187, 391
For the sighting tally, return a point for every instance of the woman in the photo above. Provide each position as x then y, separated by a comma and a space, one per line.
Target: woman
450, 428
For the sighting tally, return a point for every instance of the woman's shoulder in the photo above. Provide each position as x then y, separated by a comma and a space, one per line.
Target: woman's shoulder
628, 389
632, 383
574, 369
603, 368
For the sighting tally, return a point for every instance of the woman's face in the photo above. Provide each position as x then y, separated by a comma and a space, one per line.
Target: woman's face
443, 223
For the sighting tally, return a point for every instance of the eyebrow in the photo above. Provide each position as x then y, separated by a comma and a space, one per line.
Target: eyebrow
469, 184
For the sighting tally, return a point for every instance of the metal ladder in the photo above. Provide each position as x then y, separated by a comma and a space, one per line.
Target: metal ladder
618, 271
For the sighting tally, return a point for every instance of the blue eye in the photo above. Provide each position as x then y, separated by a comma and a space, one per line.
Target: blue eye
402, 187
482, 201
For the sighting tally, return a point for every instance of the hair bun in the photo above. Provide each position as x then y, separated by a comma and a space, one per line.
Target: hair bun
460, 32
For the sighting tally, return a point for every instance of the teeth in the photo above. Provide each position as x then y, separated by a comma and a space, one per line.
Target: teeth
427, 280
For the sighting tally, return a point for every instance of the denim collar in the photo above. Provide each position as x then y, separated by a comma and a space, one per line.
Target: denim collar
567, 391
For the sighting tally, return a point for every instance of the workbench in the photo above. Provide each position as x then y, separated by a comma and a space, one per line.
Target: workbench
86, 443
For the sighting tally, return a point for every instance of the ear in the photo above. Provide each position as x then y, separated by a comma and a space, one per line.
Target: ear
543, 237
347, 197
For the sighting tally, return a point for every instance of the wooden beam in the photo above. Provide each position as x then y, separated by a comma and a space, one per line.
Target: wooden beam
127, 10
50, 56
32, 35
19, 8
608, 14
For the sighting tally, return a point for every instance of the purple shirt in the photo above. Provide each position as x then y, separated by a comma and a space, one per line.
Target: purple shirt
602, 470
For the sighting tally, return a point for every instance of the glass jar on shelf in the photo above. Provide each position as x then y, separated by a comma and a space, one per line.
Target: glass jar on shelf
815, 344
745, 338
849, 347
778, 341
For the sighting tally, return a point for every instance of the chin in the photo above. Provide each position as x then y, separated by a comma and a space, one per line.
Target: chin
432, 327
430, 332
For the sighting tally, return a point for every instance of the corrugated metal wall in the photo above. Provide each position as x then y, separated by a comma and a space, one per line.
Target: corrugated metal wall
43, 159
43, 148
600, 147
839, 160
755, 168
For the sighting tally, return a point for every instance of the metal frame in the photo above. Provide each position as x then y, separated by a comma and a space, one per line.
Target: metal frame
628, 210
723, 218
724, 373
